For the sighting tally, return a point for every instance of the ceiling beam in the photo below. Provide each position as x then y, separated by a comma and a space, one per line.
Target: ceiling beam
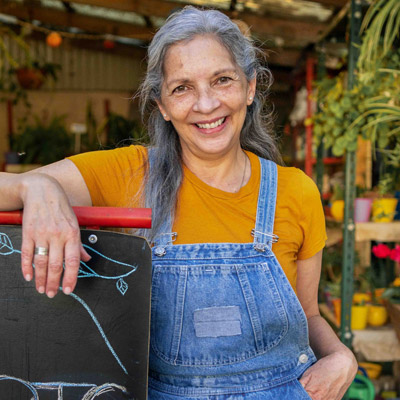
283, 57
332, 3
301, 31
86, 23
268, 26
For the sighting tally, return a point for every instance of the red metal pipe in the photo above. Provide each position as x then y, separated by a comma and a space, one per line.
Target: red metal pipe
309, 129
96, 216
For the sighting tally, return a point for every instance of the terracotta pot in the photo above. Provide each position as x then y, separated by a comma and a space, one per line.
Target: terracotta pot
30, 78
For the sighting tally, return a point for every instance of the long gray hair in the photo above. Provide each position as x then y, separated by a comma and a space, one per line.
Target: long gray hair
163, 180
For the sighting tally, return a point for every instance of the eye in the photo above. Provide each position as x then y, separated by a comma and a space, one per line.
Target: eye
180, 89
224, 79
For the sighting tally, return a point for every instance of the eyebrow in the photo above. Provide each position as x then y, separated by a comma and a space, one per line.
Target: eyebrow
185, 80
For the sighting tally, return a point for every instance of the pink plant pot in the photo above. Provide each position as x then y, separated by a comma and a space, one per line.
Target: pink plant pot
362, 209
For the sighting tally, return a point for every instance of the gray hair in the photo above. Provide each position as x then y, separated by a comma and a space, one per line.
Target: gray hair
163, 180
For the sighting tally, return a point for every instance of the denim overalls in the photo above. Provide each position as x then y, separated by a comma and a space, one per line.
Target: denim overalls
225, 321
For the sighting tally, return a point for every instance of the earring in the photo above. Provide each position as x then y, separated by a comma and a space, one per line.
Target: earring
250, 98
165, 115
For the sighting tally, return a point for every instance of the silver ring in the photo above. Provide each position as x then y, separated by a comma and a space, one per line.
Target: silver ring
41, 251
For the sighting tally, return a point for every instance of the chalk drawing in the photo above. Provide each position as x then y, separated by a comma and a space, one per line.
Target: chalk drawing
7, 248
93, 392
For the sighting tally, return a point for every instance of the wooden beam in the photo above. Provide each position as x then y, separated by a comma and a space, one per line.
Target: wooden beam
165, 7
334, 22
267, 26
283, 28
155, 8
86, 23
331, 3
283, 57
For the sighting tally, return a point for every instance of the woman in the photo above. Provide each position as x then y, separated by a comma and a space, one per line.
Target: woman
226, 322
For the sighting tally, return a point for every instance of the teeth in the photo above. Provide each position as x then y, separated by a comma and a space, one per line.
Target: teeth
212, 125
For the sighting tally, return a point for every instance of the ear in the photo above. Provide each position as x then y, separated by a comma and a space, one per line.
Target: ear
251, 90
162, 111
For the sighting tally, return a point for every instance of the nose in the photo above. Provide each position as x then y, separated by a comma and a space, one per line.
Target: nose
206, 101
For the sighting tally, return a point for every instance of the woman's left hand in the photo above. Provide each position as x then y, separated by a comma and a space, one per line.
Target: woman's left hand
330, 377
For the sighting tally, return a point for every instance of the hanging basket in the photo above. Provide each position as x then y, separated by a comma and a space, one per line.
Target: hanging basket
30, 78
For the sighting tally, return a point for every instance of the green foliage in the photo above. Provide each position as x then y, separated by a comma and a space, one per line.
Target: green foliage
386, 184
10, 88
381, 26
370, 110
392, 294
121, 131
44, 143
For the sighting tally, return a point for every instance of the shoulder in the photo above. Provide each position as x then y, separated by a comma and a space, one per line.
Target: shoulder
122, 155
291, 179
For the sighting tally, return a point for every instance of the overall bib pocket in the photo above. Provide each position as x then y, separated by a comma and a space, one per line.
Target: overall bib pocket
212, 315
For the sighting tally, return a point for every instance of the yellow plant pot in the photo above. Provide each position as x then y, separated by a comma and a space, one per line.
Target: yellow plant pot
377, 315
337, 210
359, 317
359, 298
373, 370
383, 210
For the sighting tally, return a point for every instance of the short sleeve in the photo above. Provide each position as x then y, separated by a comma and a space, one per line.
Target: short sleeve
113, 177
312, 219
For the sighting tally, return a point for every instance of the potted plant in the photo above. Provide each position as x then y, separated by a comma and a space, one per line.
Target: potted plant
44, 142
384, 206
25, 73
120, 131
362, 205
337, 202
392, 302
32, 76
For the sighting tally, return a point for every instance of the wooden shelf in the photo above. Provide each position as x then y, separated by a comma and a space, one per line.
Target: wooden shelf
367, 231
335, 235
379, 231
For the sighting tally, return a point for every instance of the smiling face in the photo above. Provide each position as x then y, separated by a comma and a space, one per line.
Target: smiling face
205, 95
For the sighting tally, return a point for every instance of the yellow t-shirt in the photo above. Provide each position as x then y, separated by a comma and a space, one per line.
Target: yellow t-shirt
209, 215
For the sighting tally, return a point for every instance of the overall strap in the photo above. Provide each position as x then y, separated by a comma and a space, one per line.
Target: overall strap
263, 232
166, 237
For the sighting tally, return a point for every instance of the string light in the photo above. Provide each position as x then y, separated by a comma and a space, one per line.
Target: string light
53, 39
28, 26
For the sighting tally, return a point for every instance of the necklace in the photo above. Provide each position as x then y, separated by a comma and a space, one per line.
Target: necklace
244, 174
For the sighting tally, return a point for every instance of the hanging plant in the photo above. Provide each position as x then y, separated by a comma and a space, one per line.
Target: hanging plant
381, 26
339, 108
370, 110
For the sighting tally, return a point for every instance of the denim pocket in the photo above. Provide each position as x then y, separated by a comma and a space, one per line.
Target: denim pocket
303, 391
215, 315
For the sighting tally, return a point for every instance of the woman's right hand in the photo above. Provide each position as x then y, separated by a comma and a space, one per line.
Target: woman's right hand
50, 223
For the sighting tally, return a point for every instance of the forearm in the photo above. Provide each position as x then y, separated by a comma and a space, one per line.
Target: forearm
11, 191
323, 339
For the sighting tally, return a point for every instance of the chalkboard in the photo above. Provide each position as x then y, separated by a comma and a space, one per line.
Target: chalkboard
92, 344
